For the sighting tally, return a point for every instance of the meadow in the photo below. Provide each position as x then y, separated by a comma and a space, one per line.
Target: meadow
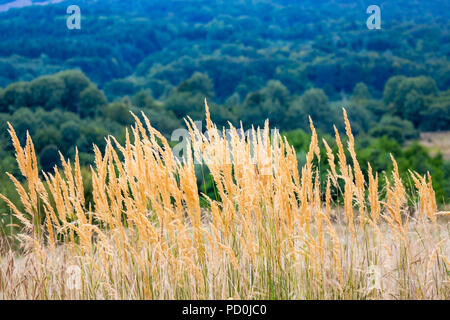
273, 230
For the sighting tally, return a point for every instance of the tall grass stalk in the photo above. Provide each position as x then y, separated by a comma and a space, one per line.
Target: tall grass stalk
270, 232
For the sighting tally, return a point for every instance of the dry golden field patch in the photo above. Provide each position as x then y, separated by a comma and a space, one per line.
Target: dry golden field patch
437, 142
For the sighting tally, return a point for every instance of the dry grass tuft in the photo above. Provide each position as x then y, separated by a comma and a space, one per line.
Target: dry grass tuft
269, 234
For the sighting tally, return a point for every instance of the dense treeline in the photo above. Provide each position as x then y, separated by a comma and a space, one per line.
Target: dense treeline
66, 109
282, 60
239, 44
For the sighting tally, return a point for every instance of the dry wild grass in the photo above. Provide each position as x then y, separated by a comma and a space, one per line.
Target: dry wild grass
271, 233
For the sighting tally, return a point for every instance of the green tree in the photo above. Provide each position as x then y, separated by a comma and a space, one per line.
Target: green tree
271, 102
198, 83
188, 97
118, 112
70, 132
394, 128
313, 103
409, 97
360, 118
47, 92
49, 157
47, 136
75, 82
376, 152
15, 95
360, 92
144, 100
437, 115
119, 88
91, 100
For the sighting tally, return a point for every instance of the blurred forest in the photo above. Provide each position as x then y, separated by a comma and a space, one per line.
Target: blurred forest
252, 60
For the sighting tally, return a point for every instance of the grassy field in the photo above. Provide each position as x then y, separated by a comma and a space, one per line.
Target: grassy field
437, 142
273, 230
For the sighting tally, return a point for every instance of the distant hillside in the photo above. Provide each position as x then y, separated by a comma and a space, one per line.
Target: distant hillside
240, 44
